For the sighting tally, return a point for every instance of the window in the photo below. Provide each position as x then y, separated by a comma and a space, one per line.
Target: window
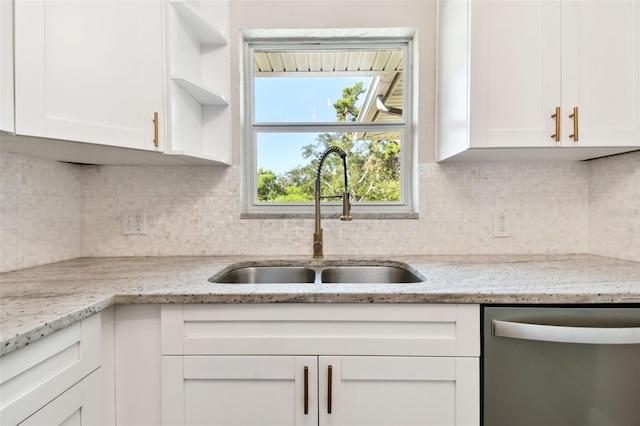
305, 93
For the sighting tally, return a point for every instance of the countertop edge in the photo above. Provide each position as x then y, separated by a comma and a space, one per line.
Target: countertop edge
32, 335
45, 299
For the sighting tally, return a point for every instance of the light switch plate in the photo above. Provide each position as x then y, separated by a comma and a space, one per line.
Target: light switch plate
134, 222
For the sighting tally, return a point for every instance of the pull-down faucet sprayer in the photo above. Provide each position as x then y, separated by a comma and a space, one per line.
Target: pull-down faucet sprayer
346, 205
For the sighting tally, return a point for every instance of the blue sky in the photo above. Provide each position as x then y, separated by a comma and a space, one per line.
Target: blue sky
294, 100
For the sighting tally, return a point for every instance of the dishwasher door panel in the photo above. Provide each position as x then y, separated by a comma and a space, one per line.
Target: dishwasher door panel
536, 382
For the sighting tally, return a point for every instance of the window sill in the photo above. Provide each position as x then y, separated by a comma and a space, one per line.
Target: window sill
355, 216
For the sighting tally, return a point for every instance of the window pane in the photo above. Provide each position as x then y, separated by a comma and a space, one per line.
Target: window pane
308, 85
287, 164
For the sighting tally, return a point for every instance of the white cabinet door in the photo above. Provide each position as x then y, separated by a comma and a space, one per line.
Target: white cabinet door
33, 376
515, 73
80, 405
396, 391
345, 391
6, 66
601, 72
239, 390
89, 71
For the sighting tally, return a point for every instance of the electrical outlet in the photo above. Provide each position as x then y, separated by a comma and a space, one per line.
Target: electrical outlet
134, 222
501, 226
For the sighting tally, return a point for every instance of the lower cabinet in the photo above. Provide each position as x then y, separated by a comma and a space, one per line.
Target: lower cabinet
80, 405
320, 365
319, 390
57, 380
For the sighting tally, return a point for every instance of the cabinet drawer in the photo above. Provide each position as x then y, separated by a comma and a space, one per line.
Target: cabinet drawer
34, 375
340, 329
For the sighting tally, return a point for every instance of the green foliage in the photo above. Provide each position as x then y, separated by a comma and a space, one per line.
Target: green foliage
269, 187
346, 109
373, 165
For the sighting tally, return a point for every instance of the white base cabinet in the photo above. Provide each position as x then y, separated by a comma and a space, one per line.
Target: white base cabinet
320, 365
56, 380
80, 405
325, 390
238, 390
395, 391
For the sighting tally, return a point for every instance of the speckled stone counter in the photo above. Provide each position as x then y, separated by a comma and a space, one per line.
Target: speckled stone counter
37, 301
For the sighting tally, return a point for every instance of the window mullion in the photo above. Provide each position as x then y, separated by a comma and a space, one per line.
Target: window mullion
327, 127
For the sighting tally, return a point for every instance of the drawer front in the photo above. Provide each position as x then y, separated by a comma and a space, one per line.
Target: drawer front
33, 376
339, 329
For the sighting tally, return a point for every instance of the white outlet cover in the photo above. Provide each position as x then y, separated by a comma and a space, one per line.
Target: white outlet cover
134, 222
501, 226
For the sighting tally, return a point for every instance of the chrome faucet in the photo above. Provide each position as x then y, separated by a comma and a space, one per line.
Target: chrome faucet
346, 205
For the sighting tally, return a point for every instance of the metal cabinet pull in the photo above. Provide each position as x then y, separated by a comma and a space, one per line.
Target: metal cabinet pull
556, 135
329, 386
306, 390
563, 334
575, 124
155, 128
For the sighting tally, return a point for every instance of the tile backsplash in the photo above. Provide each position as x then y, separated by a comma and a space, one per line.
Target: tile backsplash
196, 210
52, 211
40, 211
614, 207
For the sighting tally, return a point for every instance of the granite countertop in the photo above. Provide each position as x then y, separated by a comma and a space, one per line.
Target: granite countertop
37, 301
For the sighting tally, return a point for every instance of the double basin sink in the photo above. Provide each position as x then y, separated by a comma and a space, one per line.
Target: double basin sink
379, 273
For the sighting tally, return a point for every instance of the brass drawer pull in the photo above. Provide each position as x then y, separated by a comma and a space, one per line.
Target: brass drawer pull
556, 135
155, 129
306, 390
575, 124
329, 386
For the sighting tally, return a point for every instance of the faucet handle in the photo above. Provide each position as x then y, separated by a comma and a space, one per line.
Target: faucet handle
317, 245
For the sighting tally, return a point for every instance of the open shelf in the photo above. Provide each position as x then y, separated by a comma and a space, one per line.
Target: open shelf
198, 25
200, 93
199, 82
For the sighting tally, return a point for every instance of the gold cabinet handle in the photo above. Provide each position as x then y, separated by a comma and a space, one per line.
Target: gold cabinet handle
575, 124
306, 390
155, 128
329, 386
556, 135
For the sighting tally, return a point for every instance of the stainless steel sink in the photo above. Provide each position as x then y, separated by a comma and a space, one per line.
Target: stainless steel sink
267, 275
368, 274
318, 273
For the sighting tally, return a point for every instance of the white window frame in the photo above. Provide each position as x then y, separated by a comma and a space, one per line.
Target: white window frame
301, 38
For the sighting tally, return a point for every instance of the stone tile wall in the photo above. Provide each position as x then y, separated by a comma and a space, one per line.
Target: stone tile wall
614, 207
40, 211
51, 211
196, 211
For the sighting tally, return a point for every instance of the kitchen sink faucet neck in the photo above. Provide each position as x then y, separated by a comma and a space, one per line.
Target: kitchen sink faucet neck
346, 205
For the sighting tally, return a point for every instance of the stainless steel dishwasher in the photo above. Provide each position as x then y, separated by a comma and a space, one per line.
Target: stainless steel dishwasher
561, 366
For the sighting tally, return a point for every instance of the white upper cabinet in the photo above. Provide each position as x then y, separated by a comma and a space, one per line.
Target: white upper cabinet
90, 71
515, 77
6, 67
198, 81
601, 72
135, 82
506, 67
